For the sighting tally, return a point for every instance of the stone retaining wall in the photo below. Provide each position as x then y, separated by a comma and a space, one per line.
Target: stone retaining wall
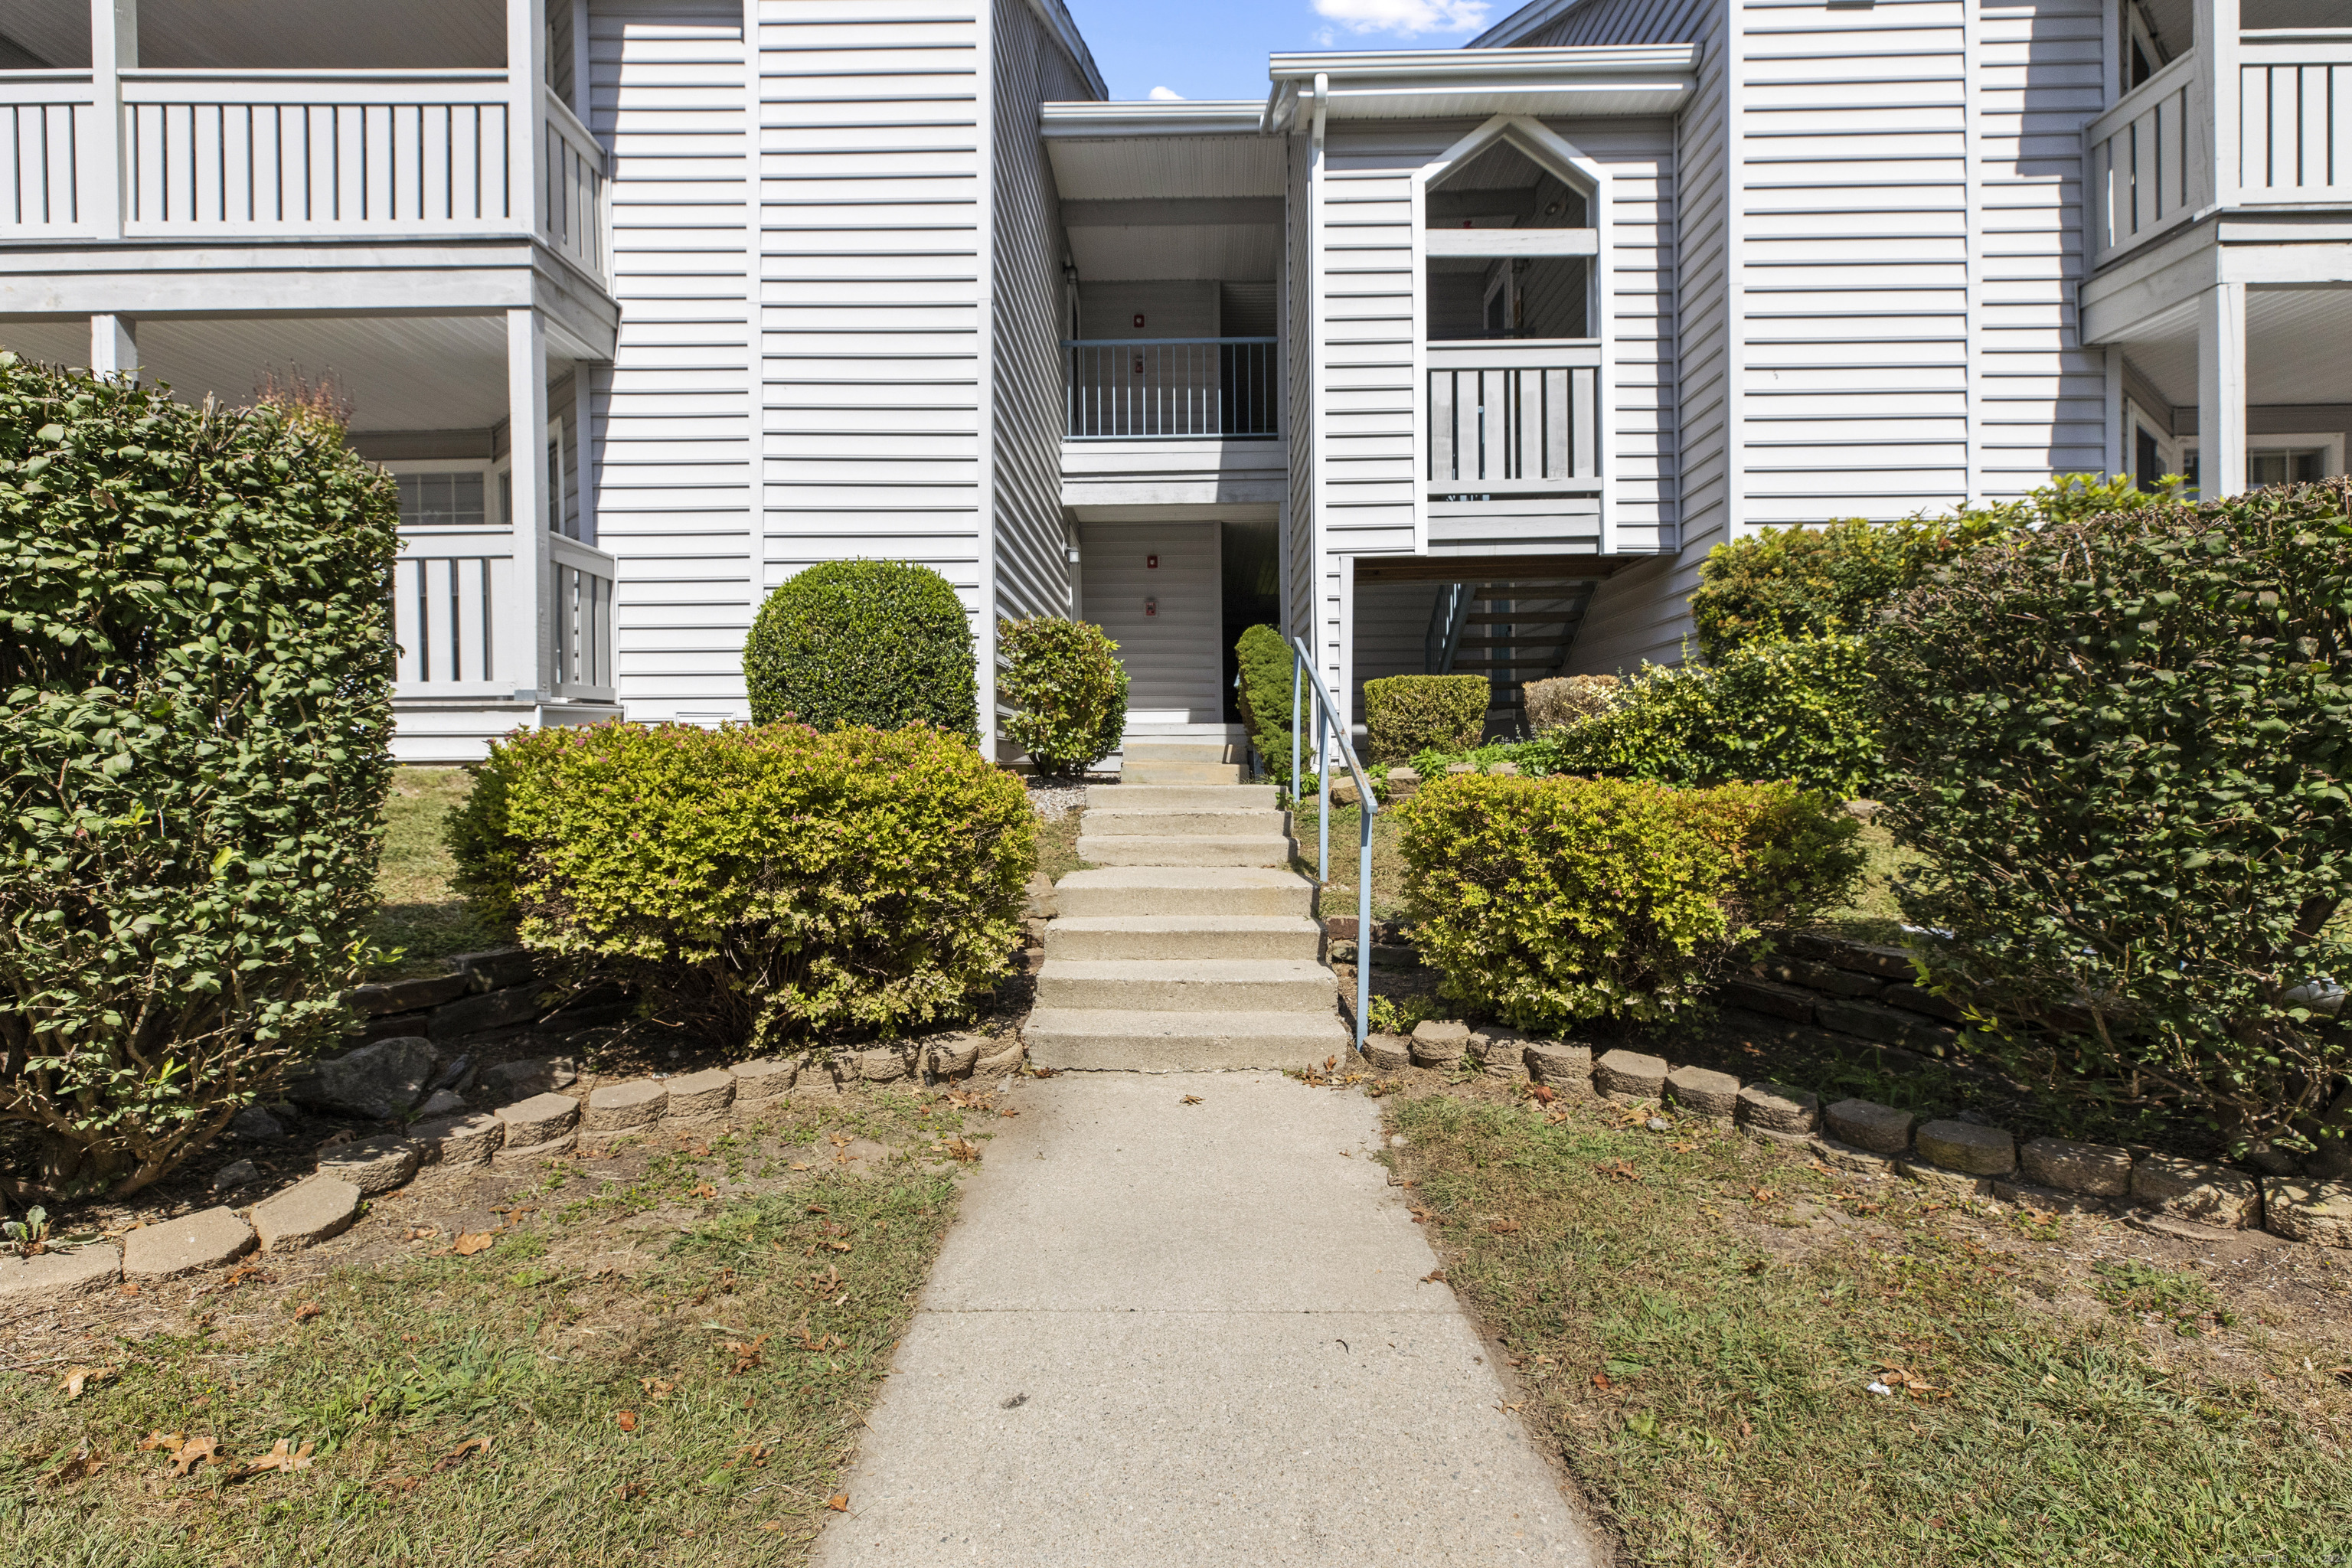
1961, 1154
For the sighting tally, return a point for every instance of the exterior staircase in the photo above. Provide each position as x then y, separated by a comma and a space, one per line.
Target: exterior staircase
1191, 943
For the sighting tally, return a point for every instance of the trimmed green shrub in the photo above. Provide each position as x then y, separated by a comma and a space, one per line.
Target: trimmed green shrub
849, 643
1547, 902
1796, 710
1409, 714
199, 666
1267, 671
478, 832
2122, 745
1569, 699
1070, 689
773, 883
1833, 581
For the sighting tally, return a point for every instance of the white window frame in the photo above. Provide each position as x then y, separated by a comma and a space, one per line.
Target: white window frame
2170, 452
2329, 442
502, 472
491, 518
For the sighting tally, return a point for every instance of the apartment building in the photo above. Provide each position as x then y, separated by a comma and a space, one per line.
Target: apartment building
1443, 360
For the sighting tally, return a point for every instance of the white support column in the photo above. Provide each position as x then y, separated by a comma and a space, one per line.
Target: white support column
583, 414
2216, 44
114, 49
2222, 390
524, 622
2116, 450
581, 97
113, 346
527, 113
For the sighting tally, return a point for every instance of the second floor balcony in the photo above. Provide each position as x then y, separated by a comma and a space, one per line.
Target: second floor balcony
2262, 123
105, 149
1170, 389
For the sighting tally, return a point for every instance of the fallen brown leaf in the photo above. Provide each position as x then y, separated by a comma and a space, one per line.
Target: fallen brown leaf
626, 1420
705, 1191
629, 1489
77, 1378
1600, 1380
747, 1356
1434, 1277
79, 1467
192, 1453
126, 1288
1191, 1100
243, 1272
423, 1232
1010, 1111
281, 1457
839, 1502
700, 1152
306, 1311
470, 1242
655, 1387
1503, 1226
401, 1484
471, 1446
1763, 1194
802, 1165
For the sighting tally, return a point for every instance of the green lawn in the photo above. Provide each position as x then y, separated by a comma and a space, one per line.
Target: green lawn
1695, 1319
534, 1404
422, 919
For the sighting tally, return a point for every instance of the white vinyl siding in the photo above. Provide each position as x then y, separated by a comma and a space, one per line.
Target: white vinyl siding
675, 503
1172, 655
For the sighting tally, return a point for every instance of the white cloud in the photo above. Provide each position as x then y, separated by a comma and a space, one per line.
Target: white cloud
1165, 95
1405, 18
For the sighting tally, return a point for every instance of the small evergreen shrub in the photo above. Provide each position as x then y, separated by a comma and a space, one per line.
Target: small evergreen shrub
2124, 745
1069, 689
194, 754
1405, 714
1266, 673
479, 832
1547, 902
875, 643
1568, 700
1834, 580
759, 885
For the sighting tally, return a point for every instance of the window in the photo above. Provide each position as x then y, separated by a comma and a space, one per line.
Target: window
441, 499
2285, 467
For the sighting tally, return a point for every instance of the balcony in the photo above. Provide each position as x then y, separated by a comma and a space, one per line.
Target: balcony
1119, 389
2282, 137
463, 634
1515, 450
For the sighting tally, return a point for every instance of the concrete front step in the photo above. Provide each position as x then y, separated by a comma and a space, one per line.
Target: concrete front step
1188, 985
1172, 797
1164, 849
1195, 937
1136, 772
1149, 749
1185, 822
1181, 890
1130, 1040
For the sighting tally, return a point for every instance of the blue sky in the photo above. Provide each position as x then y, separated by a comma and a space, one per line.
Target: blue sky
1217, 49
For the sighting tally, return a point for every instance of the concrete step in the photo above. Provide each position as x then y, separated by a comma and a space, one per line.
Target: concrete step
1125, 1040
1168, 797
1168, 849
1183, 890
1193, 937
1134, 772
1185, 822
1188, 985
1150, 749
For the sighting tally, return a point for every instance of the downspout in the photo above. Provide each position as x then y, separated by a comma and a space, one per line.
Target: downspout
1314, 388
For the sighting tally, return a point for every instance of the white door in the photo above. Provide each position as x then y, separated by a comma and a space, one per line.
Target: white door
1156, 589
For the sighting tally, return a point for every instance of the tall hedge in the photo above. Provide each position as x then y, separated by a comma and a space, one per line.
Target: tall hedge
1548, 902
1266, 673
2124, 745
194, 754
875, 643
1405, 714
770, 884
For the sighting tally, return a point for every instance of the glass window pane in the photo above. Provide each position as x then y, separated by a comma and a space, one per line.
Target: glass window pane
440, 500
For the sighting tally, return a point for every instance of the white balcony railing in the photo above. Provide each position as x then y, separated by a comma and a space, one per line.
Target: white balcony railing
1515, 415
259, 154
464, 631
45, 126
2151, 157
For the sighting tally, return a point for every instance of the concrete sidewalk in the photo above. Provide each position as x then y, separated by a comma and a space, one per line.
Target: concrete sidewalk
1163, 1334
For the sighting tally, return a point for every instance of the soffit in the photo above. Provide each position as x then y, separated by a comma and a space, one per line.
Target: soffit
293, 35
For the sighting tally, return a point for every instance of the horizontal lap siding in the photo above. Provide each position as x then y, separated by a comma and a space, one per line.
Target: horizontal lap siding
873, 285
1639, 155
673, 498
1853, 188
2040, 396
1031, 564
1299, 555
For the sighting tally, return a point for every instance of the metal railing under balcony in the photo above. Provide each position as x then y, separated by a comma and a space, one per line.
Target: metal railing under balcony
1126, 389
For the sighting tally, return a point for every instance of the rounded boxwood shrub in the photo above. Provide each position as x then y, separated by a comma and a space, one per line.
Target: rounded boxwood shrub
195, 752
1568, 700
1546, 902
759, 885
877, 643
1069, 690
1406, 714
2124, 745
1266, 673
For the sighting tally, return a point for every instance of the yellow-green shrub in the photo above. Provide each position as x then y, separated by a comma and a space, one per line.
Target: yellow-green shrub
1409, 714
760, 884
1548, 901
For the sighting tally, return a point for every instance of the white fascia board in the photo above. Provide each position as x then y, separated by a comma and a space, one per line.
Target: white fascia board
1205, 117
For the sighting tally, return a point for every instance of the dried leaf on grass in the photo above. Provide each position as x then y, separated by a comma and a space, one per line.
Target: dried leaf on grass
839, 1502
282, 1456
655, 1387
308, 1310
704, 1190
471, 1242
79, 1466
185, 1452
77, 1378
457, 1455
746, 1353
626, 1420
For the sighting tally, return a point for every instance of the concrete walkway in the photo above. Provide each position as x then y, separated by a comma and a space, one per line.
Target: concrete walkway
1166, 1335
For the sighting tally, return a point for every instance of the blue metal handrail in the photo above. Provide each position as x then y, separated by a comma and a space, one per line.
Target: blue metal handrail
1331, 725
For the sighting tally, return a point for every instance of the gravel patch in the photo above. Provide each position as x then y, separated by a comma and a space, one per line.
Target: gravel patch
1054, 800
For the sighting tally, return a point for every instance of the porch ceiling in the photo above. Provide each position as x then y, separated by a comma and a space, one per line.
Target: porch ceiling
2298, 349
307, 35
404, 373
1168, 206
